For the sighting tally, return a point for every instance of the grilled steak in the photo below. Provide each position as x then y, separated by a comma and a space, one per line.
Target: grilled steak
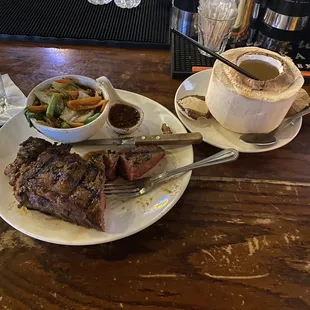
134, 163
29, 151
59, 183
50, 179
110, 160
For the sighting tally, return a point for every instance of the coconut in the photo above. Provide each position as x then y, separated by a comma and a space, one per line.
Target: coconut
245, 105
301, 102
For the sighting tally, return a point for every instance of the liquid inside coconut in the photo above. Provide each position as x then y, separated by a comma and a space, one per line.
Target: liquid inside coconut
262, 70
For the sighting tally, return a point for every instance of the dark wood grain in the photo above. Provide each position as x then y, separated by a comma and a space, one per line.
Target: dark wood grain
239, 238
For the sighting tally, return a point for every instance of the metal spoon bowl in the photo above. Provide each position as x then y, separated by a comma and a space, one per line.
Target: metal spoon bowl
264, 139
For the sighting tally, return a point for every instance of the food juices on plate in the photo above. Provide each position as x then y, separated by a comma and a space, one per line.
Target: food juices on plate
245, 105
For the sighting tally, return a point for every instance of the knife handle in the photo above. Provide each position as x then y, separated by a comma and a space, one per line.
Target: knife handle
170, 139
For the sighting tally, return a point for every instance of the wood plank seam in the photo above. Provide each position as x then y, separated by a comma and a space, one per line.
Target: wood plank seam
245, 180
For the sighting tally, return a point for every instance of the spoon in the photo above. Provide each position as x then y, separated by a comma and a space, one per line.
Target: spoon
264, 139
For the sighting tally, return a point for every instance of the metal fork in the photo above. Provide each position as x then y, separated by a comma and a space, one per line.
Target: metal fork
142, 186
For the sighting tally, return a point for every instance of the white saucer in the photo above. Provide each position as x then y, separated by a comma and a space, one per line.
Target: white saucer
212, 132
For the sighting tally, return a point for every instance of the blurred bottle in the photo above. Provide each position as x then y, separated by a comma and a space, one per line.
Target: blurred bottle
245, 28
283, 24
184, 17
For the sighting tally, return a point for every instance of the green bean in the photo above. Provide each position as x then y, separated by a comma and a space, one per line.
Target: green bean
65, 125
92, 118
56, 98
59, 107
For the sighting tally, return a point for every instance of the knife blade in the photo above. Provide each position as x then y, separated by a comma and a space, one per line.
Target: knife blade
165, 139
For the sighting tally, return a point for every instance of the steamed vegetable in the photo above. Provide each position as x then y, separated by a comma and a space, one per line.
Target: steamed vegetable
84, 106
44, 96
65, 125
87, 100
92, 118
54, 105
74, 124
104, 104
37, 108
76, 116
66, 104
35, 115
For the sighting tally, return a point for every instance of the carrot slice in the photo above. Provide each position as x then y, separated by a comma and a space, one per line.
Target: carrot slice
37, 108
50, 91
64, 81
87, 100
73, 92
83, 107
72, 124
104, 104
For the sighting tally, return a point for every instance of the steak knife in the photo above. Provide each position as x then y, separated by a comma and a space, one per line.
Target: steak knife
165, 139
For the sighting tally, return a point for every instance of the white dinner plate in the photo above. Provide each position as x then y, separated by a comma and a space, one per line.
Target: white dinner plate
122, 218
212, 132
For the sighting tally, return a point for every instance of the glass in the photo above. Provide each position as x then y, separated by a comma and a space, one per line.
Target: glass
3, 98
214, 33
99, 2
125, 4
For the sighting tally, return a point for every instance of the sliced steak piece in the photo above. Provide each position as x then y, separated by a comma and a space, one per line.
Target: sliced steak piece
134, 163
64, 185
29, 151
109, 159
111, 162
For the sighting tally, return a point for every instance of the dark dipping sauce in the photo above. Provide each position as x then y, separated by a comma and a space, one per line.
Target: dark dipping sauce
123, 116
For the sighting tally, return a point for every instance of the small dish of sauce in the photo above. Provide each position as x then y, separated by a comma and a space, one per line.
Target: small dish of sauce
124, 118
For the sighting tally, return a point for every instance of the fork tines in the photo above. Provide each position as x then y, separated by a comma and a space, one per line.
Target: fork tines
121, 189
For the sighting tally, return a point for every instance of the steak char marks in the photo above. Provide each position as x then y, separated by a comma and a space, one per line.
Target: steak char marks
29, 151
110, 160
48, 178
59, 183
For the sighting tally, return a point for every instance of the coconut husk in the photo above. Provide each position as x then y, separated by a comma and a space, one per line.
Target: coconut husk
282, 87
301, 102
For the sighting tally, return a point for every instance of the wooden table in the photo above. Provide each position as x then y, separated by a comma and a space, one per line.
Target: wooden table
239, 238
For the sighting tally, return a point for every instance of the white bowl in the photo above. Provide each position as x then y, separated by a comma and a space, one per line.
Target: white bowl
71, 135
